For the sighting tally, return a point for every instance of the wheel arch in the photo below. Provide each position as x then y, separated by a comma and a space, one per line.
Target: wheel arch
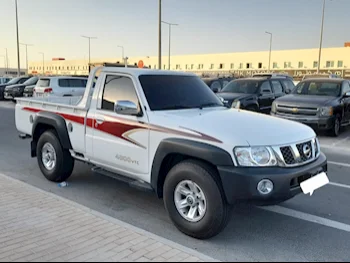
50, 121
173, 151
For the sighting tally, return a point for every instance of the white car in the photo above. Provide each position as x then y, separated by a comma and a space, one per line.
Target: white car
60, 87
168, 132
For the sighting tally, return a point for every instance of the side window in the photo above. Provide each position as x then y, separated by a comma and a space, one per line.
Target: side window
63, 83
77, 83
266, 88
118, 88
277, 87
346, 87
215, 86
288, 85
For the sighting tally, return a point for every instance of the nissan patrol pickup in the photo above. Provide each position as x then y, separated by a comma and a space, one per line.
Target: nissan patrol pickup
167, 132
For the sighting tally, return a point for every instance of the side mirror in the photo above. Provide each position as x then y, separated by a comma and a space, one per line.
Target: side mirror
126, 107
288, 91
215, 90
347, 95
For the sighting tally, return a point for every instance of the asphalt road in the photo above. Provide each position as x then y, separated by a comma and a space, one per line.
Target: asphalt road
306, 228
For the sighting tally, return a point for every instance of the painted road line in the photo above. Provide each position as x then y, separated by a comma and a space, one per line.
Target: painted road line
339, 142
307, 217
340, 185
339, 150
339, 164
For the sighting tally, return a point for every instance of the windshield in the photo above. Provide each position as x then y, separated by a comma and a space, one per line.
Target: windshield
174, 92
13, 81
242, 86
31, 81
318, 88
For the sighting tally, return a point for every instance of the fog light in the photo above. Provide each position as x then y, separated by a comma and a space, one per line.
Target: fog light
265, 187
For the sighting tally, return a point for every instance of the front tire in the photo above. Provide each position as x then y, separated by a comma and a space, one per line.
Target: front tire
55, 162
335, 131
194, 200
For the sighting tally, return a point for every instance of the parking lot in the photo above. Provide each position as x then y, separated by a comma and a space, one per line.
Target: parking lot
315, 228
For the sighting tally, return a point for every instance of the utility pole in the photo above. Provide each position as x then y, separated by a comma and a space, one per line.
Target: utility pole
170, 25
122, 51
89, 38
26, 45
270, 49
321, 38
160, 35
18, 55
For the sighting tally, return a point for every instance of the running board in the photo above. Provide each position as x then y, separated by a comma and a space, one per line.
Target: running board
140, 185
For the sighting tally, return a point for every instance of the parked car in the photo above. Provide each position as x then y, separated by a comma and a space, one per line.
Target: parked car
324, 104
13, 81
4, 80
255, 94
14, 91
28, 91
216, 84
60, 86
167, 132
321, 76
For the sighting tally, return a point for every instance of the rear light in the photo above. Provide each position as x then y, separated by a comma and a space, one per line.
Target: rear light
48, 90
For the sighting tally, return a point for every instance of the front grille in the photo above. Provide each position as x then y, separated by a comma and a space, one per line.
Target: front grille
295, 110
298, 154
288, 155
304, 156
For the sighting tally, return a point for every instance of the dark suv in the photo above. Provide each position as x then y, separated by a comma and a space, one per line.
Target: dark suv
323, 104
216, 84
255, 94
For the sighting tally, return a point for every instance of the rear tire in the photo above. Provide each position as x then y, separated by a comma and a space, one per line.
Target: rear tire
204, 178
55, 162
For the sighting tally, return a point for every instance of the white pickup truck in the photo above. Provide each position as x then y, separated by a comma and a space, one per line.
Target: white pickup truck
168, 132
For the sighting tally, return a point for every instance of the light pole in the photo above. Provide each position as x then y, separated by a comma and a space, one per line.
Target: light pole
18, 55
270, 49
43, 62
122, 51
160, 35
170, 25
89, 38
7, 62
26, 45
321, 38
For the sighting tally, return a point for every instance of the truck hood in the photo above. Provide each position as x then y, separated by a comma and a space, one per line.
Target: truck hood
235, 127
234, 96
14, 86
305, 100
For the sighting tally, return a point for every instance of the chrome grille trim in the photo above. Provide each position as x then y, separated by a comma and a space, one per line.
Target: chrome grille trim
296, 110
297, 158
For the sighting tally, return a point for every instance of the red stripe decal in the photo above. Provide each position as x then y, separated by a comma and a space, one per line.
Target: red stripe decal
121, 128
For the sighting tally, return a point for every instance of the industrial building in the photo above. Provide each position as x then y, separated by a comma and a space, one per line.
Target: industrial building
294, 62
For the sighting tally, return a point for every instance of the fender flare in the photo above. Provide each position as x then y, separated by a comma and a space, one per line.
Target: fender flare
192, 149
55, 121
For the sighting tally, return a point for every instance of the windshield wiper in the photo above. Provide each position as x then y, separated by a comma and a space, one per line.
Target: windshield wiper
210, 104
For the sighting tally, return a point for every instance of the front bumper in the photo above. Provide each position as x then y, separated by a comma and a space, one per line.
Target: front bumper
317, 123
16, 94
240, 183
8, 95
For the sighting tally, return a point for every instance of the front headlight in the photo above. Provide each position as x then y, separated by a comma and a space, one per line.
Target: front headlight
326, 111
274, 107
255, 156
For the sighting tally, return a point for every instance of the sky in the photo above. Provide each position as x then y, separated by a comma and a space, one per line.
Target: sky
205, 26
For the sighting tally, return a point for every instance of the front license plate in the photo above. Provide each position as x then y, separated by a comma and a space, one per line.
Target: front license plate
314, 183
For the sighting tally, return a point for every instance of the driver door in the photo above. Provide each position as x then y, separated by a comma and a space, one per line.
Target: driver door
120, 140
346, 100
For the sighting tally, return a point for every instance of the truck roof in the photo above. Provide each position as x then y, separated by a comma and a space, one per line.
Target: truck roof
139, 71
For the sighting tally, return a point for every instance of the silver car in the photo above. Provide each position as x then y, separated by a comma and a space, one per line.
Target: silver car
60, 86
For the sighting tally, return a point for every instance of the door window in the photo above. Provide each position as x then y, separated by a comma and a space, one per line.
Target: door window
118, 88
277, 87
288, 85
346, 87
266, 88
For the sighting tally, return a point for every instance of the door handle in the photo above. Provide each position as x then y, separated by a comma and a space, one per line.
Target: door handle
99, 120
